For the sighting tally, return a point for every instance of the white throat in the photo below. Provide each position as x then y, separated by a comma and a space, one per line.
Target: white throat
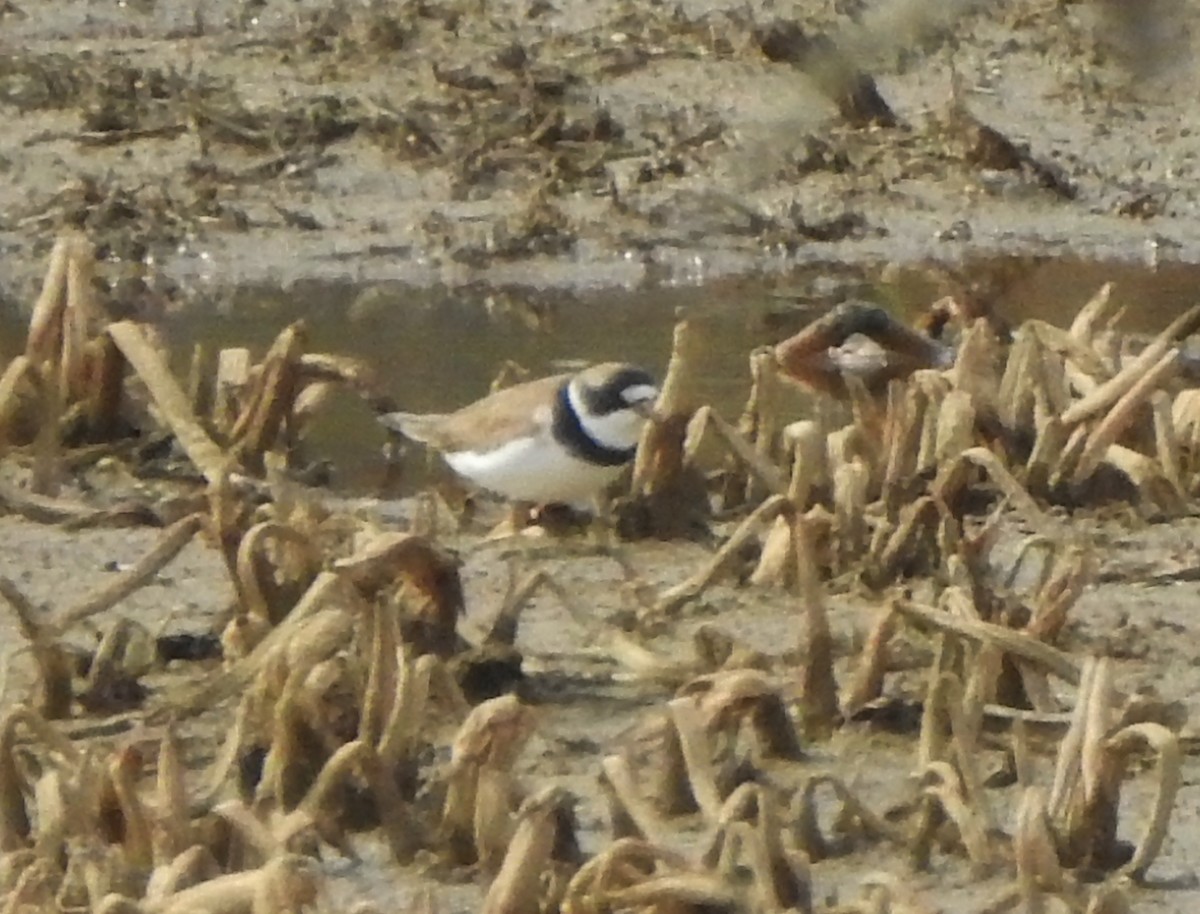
618, 431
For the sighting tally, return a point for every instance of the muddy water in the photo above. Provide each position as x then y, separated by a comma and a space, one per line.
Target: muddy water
438, 349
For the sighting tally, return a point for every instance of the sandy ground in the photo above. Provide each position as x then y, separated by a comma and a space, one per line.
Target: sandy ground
584, 144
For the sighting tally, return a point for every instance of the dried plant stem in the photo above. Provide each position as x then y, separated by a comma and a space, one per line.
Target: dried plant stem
54, 669
1123, 413
676, 398
1066, 768
1008, 640
675, 598
693, 743
1166, 441
807, 826
767, 472
872, 664
632, 817
151, 366
818, 686
1038, 869
176, 537
271, 401
951, 479
1170, 779
249, 560
944, 786
515, 889
43, 343
1112, 390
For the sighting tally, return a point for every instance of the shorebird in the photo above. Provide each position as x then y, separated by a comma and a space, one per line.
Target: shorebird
556, 440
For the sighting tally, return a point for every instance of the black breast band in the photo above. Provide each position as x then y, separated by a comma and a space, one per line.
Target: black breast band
570, 433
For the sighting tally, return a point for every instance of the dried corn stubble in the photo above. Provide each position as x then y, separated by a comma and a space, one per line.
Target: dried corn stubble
480, 788
668, 490
728, 699
1026, 411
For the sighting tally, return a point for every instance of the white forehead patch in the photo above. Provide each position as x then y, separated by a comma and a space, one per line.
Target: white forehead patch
639, 393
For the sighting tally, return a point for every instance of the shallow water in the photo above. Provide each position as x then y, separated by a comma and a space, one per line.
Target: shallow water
437, 349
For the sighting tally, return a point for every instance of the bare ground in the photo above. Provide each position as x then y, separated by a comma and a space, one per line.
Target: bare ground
583, 144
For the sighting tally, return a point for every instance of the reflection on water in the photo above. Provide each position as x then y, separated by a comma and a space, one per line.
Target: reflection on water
435, 350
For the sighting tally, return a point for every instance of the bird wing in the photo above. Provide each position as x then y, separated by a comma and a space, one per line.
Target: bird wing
512, 412
414, 426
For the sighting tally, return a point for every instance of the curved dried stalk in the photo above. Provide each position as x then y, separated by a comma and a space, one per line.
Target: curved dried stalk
409, 706
726, 698
818, 684
956, 421
1166, 442
148, 360
483, 753
851, 489
661, 475
807, 826
1170, 778
391, 559
810, 471
964, 728
776, 565
1066, 768
174, 539
236, 676
942, 782
54, 670
1084, 326
1063, 584
270, 402
252, 566
623, 863
190, 867
768, 473
15, 825
811, 356
1091, 369
749, 832
894, 550
675, 891
172, 831
286, 883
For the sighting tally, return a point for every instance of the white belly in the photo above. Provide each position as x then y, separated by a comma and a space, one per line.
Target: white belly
533, 469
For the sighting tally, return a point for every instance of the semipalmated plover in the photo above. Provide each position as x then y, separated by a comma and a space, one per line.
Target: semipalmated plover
561, 439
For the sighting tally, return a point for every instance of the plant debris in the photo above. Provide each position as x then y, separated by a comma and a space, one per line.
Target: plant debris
359, 699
